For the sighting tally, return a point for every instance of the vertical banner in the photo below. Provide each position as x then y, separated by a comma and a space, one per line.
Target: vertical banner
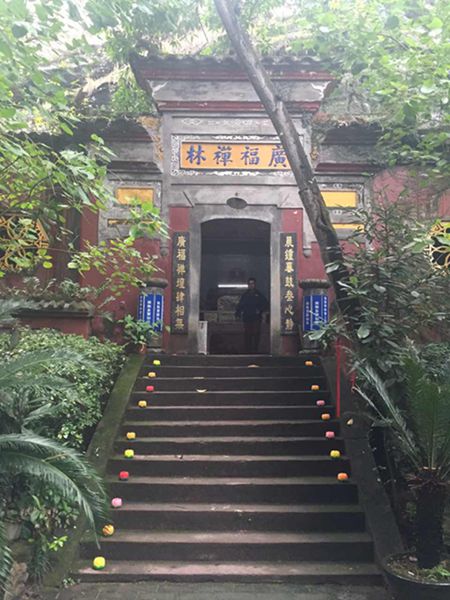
180, 282
151, 308
288, 274
315, 311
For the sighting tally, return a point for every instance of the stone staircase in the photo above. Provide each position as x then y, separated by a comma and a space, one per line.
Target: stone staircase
232, 479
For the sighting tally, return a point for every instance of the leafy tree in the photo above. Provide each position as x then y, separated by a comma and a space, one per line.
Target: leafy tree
401, 296
390, 58
44, 171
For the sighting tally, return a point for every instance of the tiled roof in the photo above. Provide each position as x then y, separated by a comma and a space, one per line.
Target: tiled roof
206, 67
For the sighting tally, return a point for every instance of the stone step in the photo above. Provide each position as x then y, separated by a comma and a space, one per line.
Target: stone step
232, 371
237, 428
250, 517
229, 359
226, 546
277, 490
230, 397
232, 479
305, 572
233, 445
228, 466
224, 413
226, 383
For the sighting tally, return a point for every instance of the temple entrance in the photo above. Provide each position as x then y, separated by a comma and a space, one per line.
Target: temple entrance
233, 250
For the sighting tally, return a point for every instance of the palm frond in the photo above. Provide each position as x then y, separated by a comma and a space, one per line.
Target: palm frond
429, 407
21, 410
386, 409
5, 558
35, 361
34, 417
60, 467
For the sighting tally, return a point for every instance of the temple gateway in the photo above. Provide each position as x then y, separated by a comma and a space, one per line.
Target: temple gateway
213, 165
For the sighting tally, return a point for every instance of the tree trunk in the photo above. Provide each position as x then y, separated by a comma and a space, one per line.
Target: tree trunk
308, 187
431, 495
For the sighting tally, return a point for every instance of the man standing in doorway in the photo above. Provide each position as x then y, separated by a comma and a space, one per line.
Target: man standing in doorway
251, 306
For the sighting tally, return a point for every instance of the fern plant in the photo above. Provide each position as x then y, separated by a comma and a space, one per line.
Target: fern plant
421, 432
59, 467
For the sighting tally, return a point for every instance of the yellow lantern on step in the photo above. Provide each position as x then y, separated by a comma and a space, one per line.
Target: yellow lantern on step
108, 530
99, 563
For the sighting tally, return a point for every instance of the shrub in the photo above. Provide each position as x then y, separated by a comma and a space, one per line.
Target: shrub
77, 408
436, 358
401, 296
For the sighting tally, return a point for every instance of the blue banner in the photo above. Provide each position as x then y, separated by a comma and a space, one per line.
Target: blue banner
151, 309
315, 311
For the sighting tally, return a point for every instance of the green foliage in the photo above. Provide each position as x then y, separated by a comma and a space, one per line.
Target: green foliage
56, 467
44, 59
121, 264
436, 358
70, 376
390, 57
136, 332
49, 293
128, 98
401, 296
428, 405
421, 433
53, 385
5, 557
129, 26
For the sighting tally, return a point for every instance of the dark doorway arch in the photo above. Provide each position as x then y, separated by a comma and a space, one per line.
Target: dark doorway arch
233, 249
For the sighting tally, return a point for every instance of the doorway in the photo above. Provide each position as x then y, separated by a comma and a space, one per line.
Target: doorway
232, 251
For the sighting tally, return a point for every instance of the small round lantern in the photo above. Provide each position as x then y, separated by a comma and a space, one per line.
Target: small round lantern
320, 403
335, 454
329, 435
157, 362
128, 453
131, 435
150, 388
151, 374
315, 387
142, 403
309, 363
108, 530
99, 563
325, 416
342, 477
124, 475
117, 502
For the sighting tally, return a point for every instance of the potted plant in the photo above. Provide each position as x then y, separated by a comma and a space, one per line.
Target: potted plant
138, 333
419, 424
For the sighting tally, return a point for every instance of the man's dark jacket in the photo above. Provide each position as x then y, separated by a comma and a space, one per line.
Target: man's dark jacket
251, 306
